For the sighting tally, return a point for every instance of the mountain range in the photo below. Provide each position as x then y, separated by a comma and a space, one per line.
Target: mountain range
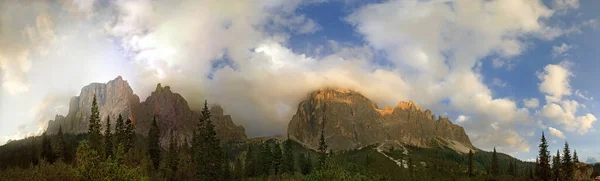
347, 119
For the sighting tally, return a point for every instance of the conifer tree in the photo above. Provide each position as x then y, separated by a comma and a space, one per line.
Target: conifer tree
470, 163
47, 151
95, 138
277, 159
108, 139
495, 169
154, 143
207, 149
128, 135
322, 148
567, 163
544, 161
265, 160
62, 145
227, 173
250, 163
530, 173
511, 168
305, 164
556, 167
238, 170
172, 158
575, 158
288, 157
119, 131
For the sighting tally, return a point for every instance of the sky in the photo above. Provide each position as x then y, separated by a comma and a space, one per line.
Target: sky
504, 70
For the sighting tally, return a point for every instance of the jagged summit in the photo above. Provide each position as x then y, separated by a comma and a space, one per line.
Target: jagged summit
116, 97
350, 120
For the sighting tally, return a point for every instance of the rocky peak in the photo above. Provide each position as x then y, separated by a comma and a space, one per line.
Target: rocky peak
116, 97
351, 120
410, 105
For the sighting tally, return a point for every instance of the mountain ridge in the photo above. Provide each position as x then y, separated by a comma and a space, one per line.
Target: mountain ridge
116, 98
350, 120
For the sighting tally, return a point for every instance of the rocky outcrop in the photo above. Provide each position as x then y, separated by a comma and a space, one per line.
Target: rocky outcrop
113, 98
582, 171
350, 120
116, 97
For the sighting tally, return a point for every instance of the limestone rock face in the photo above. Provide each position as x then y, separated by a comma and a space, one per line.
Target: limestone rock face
582, 171
116, 97
350, 120
113, 98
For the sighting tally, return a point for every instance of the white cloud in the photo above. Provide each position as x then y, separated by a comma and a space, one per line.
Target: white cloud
531, 103
561, 51
565, 4
555, 132
462, 118
498, 82
555, 82
565, 115
438, 45
580, 95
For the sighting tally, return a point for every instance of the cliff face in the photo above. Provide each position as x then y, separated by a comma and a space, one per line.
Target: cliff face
350, 120
116, 97
113, 98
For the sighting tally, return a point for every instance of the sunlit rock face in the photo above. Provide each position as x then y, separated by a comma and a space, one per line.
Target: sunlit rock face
350, 120
171, 110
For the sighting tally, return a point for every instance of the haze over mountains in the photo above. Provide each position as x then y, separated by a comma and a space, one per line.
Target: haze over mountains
349, 120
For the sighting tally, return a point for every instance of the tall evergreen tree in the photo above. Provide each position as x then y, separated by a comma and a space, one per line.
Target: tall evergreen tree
108, 139
305, 164
61, 148
208, 149
567, 163
94, 136
172, 158
544, 161
537, 166
128, 135
154, 144
495, 168
227, 173
119, 131
511, 168
530, 173
322, 148
470, 163
277, 159
556, 167
575, 157
288, 157
265, 160
47, 151
250, 163
238, 170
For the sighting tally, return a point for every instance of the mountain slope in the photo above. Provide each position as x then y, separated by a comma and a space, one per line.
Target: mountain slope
116, 97
350, 120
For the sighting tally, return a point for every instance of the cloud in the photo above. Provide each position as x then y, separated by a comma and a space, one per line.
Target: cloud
565, 4
531, 103
555, 82
462, 118
561, 51
565, 115
498, 82
437, 47
236, 56
580, 95
555, 132
19, 42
